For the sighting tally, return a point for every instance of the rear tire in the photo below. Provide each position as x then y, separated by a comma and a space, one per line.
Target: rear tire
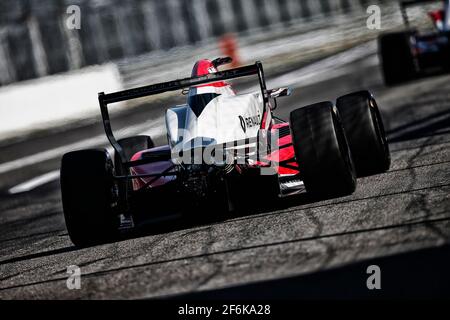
87, 190
365, 132
397, 60
322, 152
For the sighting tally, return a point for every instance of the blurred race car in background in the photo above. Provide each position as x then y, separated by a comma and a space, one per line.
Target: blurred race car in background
224, 150
409, 54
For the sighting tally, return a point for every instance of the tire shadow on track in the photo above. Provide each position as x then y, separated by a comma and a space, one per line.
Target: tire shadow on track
188, 221
197, 218
429, 125
419, 274
39, 255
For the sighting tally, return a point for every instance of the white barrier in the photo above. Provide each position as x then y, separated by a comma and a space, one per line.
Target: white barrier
55, 100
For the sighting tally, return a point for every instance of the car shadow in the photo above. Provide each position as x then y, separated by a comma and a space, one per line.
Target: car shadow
39, 255
195, 218
189, 220
418, 274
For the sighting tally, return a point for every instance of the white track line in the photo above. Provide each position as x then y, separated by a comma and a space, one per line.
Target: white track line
50, 154
98, 141
35, 182
326, 69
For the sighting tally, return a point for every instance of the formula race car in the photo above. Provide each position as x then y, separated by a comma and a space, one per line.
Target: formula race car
409, 54
224, 150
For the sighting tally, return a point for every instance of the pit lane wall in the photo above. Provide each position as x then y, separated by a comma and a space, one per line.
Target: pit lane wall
54, 101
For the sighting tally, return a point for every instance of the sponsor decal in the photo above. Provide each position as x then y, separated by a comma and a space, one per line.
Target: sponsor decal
250, 122
244, 128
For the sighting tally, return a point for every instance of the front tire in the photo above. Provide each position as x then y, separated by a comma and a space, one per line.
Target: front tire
322, 152
365, 132
87, 190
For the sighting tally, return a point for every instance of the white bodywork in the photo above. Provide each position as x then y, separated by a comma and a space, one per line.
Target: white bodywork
225, 119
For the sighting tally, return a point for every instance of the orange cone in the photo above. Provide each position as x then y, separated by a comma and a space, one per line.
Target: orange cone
229, 48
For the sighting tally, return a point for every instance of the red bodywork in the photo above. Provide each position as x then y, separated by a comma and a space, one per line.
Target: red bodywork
438, 17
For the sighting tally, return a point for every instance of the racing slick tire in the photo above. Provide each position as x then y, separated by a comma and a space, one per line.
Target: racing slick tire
322, 151
87, 190
396, 56
364, 129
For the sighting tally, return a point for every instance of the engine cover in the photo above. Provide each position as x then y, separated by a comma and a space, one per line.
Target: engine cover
225, 119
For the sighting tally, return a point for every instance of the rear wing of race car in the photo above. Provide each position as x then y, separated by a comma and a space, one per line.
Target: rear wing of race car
405, 4
105, 99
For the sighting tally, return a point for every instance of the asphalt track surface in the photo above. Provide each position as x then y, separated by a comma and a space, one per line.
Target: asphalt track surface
301, 248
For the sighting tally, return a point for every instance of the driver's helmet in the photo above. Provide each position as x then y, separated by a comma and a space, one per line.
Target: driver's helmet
199, 96
438, 18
